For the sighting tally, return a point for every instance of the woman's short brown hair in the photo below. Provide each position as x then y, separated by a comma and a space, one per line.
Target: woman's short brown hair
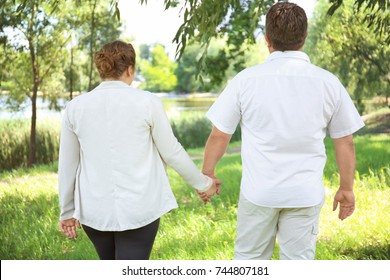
114, 58
286, 26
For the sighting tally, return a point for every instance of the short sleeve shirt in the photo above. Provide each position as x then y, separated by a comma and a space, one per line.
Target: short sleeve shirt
285, 107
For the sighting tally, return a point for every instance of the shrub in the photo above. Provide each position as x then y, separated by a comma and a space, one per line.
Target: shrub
15, 141
192, 130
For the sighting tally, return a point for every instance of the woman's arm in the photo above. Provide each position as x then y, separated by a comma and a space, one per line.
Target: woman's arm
172, 151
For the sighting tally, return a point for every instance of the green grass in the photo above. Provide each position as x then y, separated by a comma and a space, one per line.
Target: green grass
29, 213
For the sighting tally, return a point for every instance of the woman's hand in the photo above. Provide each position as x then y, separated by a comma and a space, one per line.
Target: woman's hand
213, 190
69, 226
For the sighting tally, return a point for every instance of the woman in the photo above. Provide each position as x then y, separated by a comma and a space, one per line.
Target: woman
115, 143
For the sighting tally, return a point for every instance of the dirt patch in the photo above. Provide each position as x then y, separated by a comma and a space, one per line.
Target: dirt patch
377, 122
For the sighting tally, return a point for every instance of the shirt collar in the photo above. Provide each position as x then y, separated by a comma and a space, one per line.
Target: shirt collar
113, 83
288, 54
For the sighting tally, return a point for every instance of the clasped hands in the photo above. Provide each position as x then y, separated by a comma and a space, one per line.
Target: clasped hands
69, 226
213, 190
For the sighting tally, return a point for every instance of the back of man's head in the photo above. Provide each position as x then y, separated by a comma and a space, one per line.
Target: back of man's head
286, 26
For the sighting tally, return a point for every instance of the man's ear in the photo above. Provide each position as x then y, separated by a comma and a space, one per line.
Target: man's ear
268, 40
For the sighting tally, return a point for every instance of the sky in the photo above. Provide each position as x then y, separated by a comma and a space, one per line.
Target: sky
149, 24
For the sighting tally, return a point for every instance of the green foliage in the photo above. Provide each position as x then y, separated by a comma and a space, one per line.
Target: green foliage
350, 50
37, 58
52, 29
240, 20
158, 71
36, 33
377, 15
192, 130
205, 20
93, 26
29, 214
14, 139
219, 67
14, 143
186, 72
236, 22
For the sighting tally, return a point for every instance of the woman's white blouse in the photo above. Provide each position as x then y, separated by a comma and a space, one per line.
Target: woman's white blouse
115, 143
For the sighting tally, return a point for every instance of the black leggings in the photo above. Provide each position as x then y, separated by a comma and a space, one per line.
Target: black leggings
135, 244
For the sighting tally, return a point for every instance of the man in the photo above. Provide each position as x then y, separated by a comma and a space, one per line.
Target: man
285, 106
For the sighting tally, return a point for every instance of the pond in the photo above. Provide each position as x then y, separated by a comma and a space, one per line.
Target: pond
175, 105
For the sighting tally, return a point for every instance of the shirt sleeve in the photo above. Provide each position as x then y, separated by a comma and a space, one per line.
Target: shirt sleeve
172, 152
225, 113
345, 119
69, 159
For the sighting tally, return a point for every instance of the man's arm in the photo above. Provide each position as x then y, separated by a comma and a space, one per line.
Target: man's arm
345, 158
215, 148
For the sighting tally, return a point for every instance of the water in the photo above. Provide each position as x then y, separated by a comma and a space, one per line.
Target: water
174, 104
43, 110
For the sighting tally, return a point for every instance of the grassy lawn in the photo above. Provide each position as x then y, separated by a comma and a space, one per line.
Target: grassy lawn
29, 213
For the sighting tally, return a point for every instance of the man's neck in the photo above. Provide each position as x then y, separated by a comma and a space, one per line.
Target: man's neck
271, 50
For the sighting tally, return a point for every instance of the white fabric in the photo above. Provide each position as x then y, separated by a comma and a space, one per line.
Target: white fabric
258, 227
115, 142
285, 107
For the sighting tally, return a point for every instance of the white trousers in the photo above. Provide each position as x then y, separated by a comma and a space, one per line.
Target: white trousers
258, 227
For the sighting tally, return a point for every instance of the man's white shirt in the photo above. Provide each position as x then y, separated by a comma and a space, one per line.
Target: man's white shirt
285, 107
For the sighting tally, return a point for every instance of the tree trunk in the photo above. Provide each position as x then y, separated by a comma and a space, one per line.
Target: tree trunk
32, 151
91, 45
33, 138
71, 74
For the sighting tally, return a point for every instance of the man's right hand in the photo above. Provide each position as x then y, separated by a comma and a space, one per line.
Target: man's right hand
346, 200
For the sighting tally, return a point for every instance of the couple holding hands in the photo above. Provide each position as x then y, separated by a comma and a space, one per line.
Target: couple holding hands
117, 140
115, 144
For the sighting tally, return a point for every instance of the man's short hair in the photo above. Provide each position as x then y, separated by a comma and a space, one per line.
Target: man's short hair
286, 26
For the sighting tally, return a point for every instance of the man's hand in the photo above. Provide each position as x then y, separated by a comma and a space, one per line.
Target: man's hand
346, 199
213, 190
69, 226
215, 148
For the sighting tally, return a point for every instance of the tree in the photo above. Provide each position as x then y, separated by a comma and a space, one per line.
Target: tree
158, 71
377, 16
35, 34
186, 71
350, 50
30, 34
93, 25
240, 20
